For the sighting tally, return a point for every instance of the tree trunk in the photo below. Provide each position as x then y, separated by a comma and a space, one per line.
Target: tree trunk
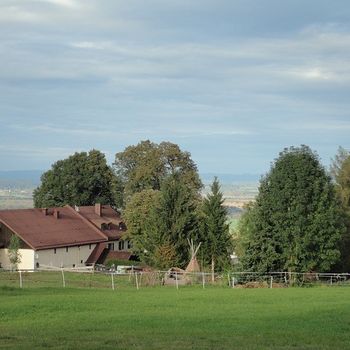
212, 269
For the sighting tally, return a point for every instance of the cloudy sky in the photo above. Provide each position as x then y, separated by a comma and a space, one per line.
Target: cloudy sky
231, 81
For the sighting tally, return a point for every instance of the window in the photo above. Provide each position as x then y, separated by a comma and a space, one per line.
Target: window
55, 251
90, 246
121, 245
129, 245
73, 265
81, 261
111, 246
66, 249
37, 265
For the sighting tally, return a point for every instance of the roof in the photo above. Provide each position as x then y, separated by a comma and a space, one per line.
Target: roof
108, 216
96, 253
42, 231
120, 255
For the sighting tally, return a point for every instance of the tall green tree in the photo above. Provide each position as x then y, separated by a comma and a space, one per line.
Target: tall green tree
216, 238
146, 165
81, 179
340, 170
177, 217
159, 222
296, 221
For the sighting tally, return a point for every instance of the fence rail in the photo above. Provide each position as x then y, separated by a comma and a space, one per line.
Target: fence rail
90, 278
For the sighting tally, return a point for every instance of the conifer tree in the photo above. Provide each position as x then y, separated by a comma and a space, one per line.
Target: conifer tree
159, 222
176, 218
296, 223
216, 239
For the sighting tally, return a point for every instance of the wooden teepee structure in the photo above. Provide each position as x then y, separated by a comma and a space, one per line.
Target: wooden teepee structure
193, 265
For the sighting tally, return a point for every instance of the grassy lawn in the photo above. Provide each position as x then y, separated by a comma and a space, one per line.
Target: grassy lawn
164, 318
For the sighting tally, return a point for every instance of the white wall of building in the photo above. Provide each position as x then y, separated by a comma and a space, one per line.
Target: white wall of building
27, 259
59, 257
64, 257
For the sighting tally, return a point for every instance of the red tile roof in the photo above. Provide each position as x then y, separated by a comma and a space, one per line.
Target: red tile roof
72, 228
108, 216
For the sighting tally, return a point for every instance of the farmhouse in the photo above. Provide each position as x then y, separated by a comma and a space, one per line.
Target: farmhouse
63, 237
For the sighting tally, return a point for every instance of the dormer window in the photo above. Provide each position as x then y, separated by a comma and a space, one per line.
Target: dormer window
106, 226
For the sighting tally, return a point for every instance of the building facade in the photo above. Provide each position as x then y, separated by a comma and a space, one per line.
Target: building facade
62, 237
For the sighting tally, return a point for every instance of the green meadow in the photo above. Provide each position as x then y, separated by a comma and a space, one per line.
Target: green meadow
166, 318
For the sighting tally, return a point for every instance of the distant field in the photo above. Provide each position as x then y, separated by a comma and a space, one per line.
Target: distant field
164, 318
16, 198
237, 195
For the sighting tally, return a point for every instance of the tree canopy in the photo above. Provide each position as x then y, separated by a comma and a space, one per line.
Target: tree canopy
296, 222
146, 165
81, 179
340, 169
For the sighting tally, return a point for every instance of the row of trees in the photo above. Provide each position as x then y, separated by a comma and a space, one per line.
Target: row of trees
300, 220
158, 189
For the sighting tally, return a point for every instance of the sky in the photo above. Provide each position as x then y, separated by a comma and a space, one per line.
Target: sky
231, 81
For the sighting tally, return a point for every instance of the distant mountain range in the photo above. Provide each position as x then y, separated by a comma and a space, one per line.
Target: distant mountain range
31, 178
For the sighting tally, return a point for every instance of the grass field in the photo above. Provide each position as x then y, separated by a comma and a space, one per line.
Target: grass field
164, 318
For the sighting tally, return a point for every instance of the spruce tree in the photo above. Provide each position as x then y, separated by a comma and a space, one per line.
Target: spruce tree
176, 218
216, 239
296, 223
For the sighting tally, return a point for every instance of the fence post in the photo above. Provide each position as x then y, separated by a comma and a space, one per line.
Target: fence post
203, 280
331, 280
233, 282
20, 279
271, 281
137, 282
176, 281
63, 279
112, 280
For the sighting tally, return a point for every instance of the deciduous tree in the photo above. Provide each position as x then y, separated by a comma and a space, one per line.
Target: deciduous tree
340, 170
81, 179
146, 165
13, 252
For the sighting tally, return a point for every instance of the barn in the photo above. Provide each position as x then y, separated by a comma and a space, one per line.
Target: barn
63, 236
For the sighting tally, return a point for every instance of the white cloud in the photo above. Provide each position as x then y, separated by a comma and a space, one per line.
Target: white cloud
17, 14
91, 45
63, 3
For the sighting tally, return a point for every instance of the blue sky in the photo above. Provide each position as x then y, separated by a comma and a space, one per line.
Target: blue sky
233, 82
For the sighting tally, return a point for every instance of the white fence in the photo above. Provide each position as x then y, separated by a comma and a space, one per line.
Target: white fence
90, 278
